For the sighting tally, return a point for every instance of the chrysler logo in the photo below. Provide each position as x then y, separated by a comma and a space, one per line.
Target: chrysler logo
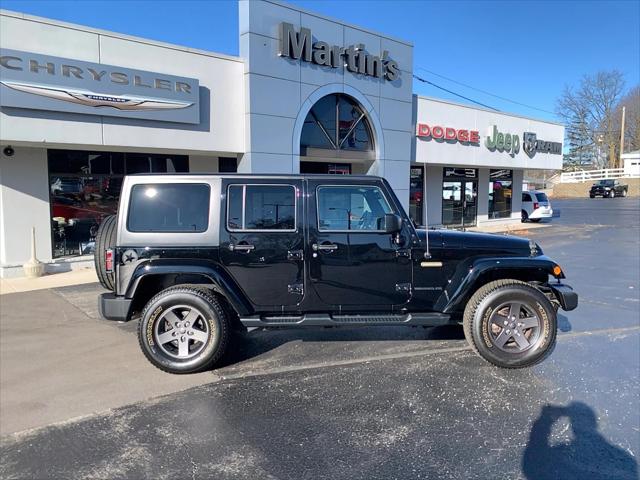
93, 99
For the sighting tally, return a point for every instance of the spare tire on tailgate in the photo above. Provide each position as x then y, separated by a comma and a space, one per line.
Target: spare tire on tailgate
105, 238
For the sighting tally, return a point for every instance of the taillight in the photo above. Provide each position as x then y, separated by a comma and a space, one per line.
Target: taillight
108, 260
535, 205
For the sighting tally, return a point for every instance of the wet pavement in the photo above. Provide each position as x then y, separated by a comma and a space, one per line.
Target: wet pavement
392, 402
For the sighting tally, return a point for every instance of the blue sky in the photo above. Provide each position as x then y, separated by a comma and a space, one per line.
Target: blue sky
524, 51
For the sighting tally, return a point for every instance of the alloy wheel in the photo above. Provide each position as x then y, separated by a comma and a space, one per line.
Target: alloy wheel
514, 327
181, 332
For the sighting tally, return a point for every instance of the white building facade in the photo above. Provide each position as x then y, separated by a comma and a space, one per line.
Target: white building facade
80, 108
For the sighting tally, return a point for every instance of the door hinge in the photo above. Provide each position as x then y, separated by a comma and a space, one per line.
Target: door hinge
295, 255
296, 288
403, 253
403, 287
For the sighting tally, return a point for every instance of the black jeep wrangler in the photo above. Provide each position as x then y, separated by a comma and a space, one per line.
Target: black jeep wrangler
195, 256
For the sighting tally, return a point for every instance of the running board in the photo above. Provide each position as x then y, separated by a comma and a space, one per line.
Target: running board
324, 320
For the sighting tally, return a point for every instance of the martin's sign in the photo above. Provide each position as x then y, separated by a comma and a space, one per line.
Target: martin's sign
42, 82
299, 45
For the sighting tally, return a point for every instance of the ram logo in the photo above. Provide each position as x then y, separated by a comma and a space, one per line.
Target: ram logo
529, 143
93, 99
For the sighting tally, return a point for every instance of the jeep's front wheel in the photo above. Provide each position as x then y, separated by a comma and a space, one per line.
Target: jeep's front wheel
183, 330
510, 324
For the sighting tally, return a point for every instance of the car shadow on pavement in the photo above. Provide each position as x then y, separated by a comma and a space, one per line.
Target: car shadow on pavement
248, 345
587, 456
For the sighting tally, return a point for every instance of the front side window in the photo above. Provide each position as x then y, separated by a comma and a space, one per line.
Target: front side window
261, 207
169, 207
500, 193
351, 208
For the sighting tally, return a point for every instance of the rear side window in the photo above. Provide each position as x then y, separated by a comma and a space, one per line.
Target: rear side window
261, 207
542, 197
169, 207
526, 197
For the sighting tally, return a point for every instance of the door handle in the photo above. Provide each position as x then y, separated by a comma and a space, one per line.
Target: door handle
241, 247
327, 247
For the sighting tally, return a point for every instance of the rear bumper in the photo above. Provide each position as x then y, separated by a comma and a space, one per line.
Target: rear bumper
540, 213
567, 298
113, 307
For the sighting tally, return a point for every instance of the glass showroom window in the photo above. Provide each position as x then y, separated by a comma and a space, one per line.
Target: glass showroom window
84, 187
500, 193
416, 191
337, 122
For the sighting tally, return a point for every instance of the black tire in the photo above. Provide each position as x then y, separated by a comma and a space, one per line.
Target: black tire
612, 193
212, 324
624, 193
105, 238
479, 328
535, 220
524, 216
592, 196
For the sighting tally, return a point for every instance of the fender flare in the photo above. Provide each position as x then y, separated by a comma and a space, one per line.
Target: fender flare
463, 283
218, 277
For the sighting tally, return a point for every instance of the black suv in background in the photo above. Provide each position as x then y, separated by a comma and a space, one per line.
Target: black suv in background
195, 256
608, 188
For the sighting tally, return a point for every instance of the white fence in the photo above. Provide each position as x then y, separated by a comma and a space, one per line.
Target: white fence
588, 175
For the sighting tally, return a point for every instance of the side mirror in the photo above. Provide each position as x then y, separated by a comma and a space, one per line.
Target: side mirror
390, 223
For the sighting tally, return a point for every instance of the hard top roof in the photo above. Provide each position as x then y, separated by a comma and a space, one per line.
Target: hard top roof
299, 176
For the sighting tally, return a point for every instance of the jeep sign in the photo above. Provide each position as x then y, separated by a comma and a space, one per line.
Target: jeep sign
298, 45
503, 142
43, 82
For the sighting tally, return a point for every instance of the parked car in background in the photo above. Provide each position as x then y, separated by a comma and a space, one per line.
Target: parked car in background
535, 206
608, 188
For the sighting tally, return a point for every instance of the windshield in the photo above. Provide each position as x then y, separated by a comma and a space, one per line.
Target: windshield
606, 183
542, 197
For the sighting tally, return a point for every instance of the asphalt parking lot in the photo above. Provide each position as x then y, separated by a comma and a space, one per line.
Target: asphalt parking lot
356, 403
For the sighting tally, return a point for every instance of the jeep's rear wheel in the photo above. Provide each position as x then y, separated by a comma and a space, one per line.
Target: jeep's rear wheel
524, 216
183, 330
510, 324
105, 239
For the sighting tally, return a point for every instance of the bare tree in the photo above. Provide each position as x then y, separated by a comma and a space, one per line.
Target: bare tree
632, 119
589, 113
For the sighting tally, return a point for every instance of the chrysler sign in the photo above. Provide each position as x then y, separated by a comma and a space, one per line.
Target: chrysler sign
42, 82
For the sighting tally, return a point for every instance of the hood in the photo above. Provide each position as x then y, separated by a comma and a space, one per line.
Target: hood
485, 242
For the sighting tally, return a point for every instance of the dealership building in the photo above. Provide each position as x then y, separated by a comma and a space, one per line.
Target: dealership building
80, 108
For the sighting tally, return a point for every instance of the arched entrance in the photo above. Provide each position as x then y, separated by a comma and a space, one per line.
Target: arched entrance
337, 137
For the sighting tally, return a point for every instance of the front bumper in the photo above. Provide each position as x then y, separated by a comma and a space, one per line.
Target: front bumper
567, 298
113, 307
